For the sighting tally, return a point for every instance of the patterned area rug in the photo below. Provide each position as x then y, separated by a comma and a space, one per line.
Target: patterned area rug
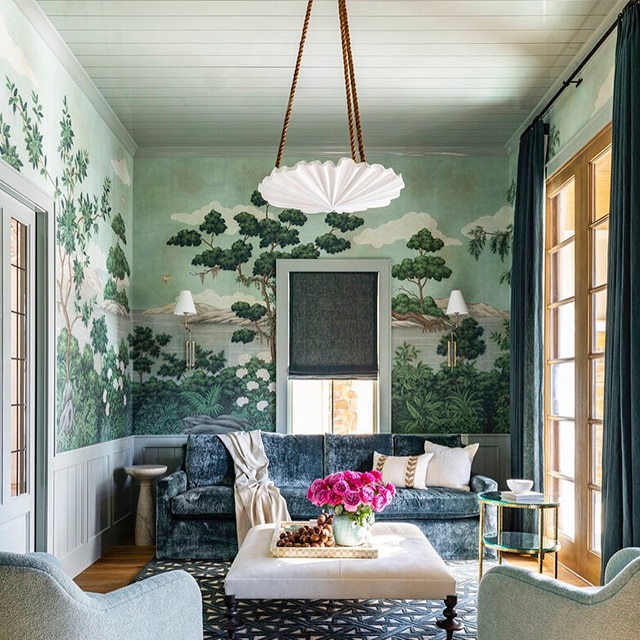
328, 619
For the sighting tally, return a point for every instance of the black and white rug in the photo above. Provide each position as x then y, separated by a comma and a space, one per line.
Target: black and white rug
328, 619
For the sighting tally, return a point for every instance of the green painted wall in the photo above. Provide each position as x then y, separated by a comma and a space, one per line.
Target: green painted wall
50, 132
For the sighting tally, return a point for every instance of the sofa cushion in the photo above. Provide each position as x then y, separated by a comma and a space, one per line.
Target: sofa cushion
294, 461
408, 444
450, 466
207, 462
354, 452
299, 506
403, 471
436, 503
204, 502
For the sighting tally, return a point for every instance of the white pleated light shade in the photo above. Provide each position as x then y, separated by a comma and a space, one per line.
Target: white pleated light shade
324, 187
185, 304
457, 304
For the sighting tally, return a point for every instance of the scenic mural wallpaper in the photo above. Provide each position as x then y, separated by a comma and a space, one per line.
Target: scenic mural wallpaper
130, 234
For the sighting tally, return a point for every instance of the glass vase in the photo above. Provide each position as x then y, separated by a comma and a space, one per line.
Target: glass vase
348, 532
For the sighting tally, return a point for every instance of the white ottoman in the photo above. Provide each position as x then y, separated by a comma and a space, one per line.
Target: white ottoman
407, 567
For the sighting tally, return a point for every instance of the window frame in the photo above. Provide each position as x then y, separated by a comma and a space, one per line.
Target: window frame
381, 266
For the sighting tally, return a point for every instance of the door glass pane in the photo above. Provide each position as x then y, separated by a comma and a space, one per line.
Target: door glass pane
601, 172
564, 490
598, 320
600, 247
597, 388
563, 389
18, 313
563, 446
562, 214
562, 273
596, 454
596, 521
562, 331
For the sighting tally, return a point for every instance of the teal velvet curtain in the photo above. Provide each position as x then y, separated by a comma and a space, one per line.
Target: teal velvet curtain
526, 355
621, 447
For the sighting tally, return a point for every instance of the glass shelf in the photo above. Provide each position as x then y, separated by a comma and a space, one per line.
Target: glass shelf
519, 542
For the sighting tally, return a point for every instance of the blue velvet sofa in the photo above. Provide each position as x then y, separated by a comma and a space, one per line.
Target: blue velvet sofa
195, 512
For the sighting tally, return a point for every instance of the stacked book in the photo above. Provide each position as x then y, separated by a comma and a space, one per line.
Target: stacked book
527, 496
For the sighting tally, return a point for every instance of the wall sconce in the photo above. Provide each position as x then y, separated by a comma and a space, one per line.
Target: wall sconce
456, 307
186, 307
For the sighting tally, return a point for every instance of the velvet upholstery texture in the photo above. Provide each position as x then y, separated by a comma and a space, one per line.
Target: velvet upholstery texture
195, 515
41, 602
516, 603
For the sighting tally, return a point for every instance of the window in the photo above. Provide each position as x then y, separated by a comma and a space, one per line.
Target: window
575, 301
333, 346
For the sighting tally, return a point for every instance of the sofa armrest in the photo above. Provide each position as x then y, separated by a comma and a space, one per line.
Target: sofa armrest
171, 486
513, 598
618, 561
162, 607
479, 483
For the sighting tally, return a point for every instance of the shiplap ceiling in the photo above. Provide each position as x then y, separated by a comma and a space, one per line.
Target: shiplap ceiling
433, 76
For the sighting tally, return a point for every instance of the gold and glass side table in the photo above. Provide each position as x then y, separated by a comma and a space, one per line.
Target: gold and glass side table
519, 542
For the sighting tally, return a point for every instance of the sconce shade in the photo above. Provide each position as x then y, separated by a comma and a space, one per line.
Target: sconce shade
185, 304
457, 304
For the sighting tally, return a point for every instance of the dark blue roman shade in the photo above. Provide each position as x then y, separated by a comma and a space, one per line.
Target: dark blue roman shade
333, 324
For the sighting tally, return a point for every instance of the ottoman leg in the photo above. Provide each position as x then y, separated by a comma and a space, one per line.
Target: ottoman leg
449, 623
231, 623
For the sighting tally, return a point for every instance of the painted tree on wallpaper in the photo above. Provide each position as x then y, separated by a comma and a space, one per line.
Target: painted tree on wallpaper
91, 403
459, 400
263, 240
243, 393
414, 303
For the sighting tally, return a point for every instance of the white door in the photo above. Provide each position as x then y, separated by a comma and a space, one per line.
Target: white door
17, 421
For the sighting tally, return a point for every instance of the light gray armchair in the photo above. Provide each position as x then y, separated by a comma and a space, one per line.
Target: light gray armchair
516, 603
39, 601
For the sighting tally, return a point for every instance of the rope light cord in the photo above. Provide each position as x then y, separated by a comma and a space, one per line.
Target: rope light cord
352, 93
353, 111
294, 81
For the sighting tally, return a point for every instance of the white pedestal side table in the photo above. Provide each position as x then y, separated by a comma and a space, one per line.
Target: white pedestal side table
145, 519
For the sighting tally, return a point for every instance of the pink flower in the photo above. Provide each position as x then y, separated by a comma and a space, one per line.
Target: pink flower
341, 487
351, 501
367, 494
359, 493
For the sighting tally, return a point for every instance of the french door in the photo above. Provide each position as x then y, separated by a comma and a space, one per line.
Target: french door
17, 420
577, 230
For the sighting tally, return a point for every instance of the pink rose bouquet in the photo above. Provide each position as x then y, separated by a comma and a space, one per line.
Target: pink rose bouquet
358, 494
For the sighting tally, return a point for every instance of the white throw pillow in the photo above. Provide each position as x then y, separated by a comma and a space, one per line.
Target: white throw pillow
451, 466
408, 472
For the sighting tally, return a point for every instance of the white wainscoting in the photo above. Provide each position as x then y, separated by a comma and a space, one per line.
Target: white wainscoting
92, 501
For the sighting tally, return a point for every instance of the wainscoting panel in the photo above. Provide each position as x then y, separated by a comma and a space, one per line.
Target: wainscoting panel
160, 450
494, 455
92, 502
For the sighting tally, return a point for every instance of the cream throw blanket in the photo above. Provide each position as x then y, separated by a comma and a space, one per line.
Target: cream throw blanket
258, 500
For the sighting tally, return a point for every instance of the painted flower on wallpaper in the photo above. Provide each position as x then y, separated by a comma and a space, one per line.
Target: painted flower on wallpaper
252, 385
241, 372
242, 401
262, 405
263, 374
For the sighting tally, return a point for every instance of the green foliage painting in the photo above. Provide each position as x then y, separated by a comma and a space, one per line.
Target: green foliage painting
253, 256
92, 381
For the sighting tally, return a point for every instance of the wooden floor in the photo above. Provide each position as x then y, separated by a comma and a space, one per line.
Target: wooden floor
118, 568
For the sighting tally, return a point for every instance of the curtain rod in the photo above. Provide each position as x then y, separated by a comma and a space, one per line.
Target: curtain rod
581, 66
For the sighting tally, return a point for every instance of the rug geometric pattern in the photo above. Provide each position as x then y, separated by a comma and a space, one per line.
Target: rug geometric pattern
328, 619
